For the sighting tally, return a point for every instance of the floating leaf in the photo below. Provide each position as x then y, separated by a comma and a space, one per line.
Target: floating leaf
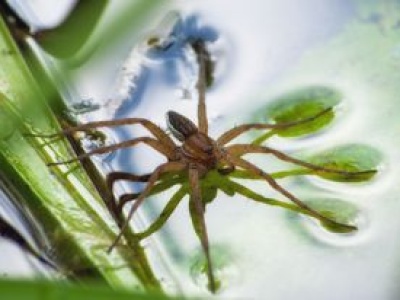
302, 104
351, 158
338, 210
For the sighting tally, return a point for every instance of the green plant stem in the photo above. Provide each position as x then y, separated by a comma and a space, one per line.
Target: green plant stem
262, 138
243, 174
165, 214
65, 202
242, 190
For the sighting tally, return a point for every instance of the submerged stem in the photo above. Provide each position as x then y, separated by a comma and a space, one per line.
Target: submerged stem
262, 138
165, 214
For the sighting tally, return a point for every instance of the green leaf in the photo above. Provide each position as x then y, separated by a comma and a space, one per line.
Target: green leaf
339, 210
299, 105
352, 158
64, 202
65, 40
77, 37
45, 290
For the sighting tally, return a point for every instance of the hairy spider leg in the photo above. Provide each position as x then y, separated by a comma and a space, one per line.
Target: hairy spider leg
157, 188
164, 168
274, 184
239, 150
150, 126
202, 55
233, 133
201, 231
153, 143
125, 198
161, 186
110, 180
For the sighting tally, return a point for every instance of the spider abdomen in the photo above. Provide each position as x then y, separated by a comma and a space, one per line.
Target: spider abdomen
180, 126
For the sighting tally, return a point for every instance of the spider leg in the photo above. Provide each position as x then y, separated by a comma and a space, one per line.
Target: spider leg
274, 184
235, 132
150, 126
197, 214
242, 149
164, 168
155, 144
200, 50
111, 179
125, 198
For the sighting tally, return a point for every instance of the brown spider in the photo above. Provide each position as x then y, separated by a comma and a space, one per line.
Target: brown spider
196, 155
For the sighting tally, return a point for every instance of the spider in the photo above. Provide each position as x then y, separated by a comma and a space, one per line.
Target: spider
194, 157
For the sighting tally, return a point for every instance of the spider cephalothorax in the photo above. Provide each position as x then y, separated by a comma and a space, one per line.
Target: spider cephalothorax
196, 156
197, 147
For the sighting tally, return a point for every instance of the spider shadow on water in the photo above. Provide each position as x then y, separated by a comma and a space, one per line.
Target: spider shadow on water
200, 166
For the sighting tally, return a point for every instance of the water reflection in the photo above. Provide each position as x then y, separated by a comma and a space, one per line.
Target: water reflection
21, 242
